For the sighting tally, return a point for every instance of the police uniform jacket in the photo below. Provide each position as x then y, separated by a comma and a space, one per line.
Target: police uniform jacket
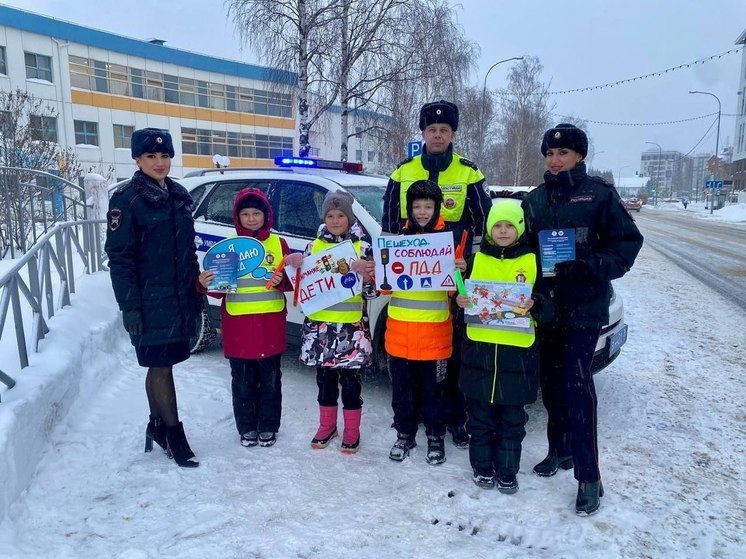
152, 258
499, 373
476, 207
606, 237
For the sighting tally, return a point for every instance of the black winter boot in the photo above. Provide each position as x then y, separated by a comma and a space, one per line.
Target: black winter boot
155, 431
436, 450
549, 466
179, 447
589, 497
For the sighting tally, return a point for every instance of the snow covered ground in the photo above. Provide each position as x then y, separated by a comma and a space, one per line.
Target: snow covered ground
672, 441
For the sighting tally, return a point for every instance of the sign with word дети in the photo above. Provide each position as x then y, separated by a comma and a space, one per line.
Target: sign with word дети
326, 278
415, 262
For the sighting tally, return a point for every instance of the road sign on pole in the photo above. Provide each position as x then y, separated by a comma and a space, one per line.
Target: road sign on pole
414, 148
713, 184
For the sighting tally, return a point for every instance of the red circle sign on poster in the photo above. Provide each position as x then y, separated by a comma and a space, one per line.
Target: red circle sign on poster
397, 267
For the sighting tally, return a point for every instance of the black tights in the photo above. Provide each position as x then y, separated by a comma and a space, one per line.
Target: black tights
159, 386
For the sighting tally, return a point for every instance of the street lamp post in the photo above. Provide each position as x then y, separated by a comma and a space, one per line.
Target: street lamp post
717, 147
660, 160
619, 177
481, 115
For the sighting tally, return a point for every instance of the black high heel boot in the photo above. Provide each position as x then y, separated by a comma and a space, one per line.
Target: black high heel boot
155, 431
549, 466
178, 447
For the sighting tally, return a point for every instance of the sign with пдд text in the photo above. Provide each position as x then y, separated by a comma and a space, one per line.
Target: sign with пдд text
415, 262
326, 278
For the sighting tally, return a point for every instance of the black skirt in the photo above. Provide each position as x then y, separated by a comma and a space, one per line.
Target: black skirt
164, 355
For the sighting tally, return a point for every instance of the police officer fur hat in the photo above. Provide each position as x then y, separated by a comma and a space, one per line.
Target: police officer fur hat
341, 201
151, 140
567, 136
439, 112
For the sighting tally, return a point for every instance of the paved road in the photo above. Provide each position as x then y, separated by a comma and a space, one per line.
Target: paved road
713, 252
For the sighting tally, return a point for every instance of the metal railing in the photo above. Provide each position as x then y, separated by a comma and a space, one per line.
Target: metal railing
54, 256
32, 201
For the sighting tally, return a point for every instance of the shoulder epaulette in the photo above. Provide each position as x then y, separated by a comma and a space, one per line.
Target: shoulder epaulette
601, 180
468, 163
122, 187
407, 160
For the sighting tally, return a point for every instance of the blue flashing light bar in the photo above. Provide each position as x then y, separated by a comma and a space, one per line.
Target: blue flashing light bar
289, 161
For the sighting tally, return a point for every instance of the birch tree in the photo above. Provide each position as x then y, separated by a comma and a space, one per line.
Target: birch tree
294, 35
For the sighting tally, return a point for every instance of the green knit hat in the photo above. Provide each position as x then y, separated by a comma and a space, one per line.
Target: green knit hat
506, 210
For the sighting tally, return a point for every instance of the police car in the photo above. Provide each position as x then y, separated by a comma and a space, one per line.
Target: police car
295, 188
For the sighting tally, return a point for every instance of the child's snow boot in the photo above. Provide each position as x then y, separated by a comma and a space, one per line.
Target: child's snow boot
351, 433
327, 427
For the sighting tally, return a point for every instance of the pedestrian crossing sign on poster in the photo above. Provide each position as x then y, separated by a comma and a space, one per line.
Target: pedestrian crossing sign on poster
415, 262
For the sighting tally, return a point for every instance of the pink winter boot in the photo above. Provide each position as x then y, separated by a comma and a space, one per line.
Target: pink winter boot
351, 434
327, 427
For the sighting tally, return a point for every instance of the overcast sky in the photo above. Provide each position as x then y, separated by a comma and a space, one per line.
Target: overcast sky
580, 43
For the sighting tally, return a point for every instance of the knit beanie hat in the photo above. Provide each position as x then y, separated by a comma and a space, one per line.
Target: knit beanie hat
506, 210
251, 202
565, 136
424, 190
151, 140
341, 201
439, 112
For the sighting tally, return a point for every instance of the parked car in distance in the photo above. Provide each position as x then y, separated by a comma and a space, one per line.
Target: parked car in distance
633, 204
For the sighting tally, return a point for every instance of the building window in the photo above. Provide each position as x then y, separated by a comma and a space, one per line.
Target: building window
86, 132
371, 156
6, 123
3, 65
38, 66
359, 155
80, 72
43, 128
123, 136
199, 141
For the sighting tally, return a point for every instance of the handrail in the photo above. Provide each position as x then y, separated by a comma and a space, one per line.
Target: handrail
54, 253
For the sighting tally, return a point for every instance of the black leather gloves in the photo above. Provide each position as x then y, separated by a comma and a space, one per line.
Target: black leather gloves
132, 322
573, 270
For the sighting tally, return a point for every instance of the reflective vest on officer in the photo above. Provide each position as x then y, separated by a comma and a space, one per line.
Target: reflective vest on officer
453, 183
251, 296
488, 268
348, 311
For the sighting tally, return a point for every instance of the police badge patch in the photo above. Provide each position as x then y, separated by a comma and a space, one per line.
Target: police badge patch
115, 219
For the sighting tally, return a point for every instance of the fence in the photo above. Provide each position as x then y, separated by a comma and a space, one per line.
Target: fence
56, 253
31, 202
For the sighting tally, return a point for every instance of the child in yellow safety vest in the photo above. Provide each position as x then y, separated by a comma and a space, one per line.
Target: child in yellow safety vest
500, 364
253, 322
336, 340
419, 341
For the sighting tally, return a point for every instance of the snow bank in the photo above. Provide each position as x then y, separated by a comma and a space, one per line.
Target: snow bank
73, 360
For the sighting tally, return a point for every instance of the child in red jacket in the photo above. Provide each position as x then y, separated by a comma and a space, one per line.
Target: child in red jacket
253, 327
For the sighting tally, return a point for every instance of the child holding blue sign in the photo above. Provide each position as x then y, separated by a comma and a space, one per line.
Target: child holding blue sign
419, 340
336, 340
253, 321
499, 364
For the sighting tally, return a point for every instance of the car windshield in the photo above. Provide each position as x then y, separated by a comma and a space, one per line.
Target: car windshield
371, 198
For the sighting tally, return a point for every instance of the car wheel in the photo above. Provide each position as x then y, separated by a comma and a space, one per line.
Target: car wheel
205, 333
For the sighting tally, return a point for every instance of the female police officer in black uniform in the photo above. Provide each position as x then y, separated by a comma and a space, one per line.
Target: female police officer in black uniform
606, 243
150, 244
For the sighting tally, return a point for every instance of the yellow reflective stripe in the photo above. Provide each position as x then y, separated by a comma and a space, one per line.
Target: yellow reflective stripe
254, 296
418, 304
344, 307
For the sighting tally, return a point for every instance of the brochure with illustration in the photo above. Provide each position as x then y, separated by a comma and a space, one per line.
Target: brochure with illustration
225, 267
495, 303
555, 245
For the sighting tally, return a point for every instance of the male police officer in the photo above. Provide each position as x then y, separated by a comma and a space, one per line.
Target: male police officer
465, 208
